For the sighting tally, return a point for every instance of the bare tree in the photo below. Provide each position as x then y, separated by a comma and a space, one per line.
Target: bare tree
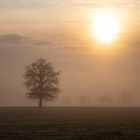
41, 81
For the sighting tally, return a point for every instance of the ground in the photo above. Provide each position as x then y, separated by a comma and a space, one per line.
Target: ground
69, 123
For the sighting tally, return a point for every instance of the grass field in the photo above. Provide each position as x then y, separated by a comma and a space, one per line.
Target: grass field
69, 123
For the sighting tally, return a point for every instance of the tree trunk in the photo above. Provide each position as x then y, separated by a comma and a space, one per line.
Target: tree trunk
40, 102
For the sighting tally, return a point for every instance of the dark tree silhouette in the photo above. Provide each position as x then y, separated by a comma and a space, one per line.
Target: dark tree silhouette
41, 81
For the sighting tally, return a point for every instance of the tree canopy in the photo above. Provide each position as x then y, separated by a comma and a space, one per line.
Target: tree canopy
41, 81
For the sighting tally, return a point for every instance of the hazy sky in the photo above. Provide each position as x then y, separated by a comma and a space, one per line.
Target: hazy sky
61, 31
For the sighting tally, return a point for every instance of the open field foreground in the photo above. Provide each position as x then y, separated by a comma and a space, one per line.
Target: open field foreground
69, 123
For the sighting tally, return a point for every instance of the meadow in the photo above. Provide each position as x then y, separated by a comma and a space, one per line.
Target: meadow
69, 123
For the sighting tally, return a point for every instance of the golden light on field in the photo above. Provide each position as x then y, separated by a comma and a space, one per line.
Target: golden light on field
106, 26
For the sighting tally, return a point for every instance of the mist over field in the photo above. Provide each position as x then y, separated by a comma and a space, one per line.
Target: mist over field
69, 69
61, 31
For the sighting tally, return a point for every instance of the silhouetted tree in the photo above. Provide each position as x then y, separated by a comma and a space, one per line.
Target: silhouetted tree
41, 81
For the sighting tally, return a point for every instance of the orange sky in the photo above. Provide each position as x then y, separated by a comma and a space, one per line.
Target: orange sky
62, 32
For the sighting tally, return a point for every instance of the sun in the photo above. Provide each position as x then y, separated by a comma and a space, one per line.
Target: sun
106, 25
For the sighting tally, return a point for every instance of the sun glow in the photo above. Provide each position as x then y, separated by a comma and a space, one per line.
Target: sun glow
106, 26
